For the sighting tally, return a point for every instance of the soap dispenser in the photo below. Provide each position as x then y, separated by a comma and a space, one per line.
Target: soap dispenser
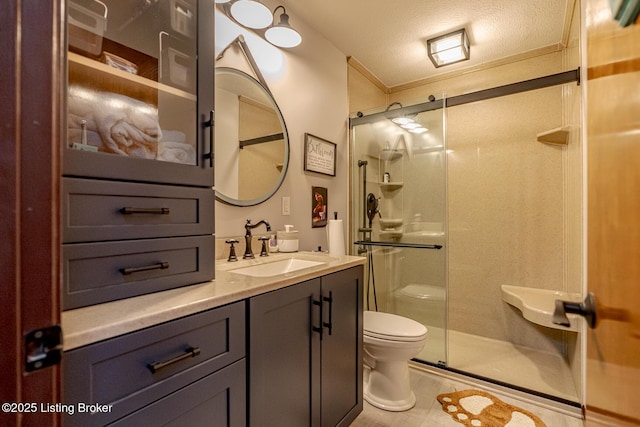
287, 239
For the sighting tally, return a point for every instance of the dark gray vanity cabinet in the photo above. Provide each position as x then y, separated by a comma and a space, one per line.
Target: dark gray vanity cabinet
189, 371
137, 158
305, 345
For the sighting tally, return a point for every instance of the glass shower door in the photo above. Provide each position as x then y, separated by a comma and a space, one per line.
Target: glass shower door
399, 217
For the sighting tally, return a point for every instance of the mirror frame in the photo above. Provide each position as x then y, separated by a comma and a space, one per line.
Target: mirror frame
285, 166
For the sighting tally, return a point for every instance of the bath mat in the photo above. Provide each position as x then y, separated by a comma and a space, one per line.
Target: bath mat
475, 408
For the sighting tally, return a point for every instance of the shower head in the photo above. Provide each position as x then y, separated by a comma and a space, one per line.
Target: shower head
362, 163
372, 207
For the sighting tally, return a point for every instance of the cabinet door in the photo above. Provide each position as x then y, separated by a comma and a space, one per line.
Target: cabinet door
140, 91
284, 358
342, 347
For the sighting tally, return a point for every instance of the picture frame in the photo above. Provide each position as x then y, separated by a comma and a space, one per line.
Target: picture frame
319, 155
319, 206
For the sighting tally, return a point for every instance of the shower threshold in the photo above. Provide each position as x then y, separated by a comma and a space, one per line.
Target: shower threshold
504, 363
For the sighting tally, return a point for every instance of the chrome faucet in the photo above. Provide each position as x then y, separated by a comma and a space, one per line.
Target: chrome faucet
248, 253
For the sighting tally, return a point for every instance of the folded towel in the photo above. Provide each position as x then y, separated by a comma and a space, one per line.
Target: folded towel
126, 126
177, 152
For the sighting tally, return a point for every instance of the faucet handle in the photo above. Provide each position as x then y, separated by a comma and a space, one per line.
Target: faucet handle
232, 250
264, 240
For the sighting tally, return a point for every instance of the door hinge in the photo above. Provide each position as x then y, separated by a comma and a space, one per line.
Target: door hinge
42, 348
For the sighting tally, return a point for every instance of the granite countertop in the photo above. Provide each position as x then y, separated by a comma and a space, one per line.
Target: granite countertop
95, 323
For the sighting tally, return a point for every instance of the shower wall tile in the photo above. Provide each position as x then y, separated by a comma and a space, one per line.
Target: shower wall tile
505, 208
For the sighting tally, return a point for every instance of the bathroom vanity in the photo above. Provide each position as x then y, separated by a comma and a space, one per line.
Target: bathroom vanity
234, 351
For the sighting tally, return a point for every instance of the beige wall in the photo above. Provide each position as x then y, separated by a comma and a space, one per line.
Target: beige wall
309, 83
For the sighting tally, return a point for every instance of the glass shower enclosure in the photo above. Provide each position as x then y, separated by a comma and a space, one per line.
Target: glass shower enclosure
398, 176
454, 198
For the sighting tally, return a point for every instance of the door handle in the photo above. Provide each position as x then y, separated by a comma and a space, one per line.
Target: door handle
587, 309
317, 329
209, 124
329, 324
591, 311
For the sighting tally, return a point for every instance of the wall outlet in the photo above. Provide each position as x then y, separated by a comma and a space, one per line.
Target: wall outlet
286, 205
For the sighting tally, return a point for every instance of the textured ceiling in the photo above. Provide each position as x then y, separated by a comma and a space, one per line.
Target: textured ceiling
389, 37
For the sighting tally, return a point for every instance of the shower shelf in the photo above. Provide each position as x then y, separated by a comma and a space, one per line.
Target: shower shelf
558, 136
391, 186
390, 154
393, 234
537, 305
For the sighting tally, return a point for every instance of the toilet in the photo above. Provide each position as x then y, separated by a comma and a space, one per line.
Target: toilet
390, 341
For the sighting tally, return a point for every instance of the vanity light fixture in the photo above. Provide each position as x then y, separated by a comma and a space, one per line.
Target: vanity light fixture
282, 35
251, 14
449, 48
257, 17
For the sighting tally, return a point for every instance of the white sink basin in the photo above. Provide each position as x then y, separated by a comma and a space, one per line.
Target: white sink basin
276, 268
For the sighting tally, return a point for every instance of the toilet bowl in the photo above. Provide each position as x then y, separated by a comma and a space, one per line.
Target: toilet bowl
390, 341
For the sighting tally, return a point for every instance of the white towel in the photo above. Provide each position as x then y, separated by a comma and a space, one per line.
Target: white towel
126, 126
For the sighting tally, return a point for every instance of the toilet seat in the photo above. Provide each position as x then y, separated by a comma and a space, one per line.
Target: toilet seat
391, 327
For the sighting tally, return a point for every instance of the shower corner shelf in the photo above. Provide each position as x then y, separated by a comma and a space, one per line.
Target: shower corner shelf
390, 154
557, 136
391, 186
391, 234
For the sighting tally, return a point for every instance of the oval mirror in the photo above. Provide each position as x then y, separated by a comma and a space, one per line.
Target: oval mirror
252, 145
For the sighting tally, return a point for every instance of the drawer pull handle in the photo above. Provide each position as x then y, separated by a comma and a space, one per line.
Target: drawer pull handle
155, 211
130, 270
190, 352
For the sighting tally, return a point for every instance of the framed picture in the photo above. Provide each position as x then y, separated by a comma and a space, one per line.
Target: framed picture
319, 155
319, 205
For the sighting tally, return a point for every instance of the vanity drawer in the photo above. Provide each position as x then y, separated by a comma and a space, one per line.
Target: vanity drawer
117, 371
217, 400
95, 210
94, 273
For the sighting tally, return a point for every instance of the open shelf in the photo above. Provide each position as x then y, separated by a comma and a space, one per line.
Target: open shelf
82, 68
390, 186
557, 136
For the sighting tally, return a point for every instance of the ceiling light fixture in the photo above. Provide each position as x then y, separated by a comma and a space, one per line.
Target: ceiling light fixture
282, 35
404, 121
449, 48
251, 14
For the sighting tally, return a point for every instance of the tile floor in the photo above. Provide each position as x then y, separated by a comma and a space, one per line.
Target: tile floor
428, 382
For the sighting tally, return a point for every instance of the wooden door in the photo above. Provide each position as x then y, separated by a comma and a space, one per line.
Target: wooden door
613, 217
29, 202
